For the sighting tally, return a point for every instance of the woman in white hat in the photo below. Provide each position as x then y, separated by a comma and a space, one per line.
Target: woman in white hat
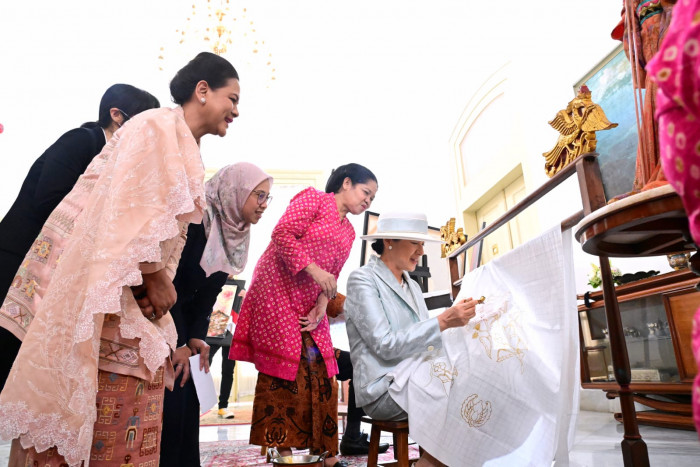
386, 316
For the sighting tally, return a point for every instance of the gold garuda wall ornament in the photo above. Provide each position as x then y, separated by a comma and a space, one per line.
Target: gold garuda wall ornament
577, 125
453, 239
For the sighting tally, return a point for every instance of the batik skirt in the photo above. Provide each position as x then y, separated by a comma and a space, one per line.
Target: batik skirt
298, 414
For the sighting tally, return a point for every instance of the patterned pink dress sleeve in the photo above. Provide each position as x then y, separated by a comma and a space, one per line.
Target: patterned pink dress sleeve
267, 333
676, 69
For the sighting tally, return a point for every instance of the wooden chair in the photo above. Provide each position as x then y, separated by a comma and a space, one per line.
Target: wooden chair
400, 432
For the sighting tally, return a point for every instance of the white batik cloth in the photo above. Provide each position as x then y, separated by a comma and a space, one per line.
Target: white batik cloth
503, 391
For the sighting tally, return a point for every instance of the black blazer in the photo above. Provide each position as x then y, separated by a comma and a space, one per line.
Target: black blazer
49, 180
196, 293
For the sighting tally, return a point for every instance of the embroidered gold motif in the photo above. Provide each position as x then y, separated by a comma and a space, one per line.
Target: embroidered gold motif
149, 444
109, 410
157, 382
42, 248
29, 287
446, 377
103, 445
153, 408
111, 382
502, 332
476, 412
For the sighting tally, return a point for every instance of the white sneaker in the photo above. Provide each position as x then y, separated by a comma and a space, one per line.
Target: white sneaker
226, 413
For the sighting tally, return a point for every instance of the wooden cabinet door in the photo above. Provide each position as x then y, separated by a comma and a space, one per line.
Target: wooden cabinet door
680, 308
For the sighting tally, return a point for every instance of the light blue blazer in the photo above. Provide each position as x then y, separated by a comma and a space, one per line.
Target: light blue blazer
384, 327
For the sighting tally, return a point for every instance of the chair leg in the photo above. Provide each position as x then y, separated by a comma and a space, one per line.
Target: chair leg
373, 454
401, 448
395, 444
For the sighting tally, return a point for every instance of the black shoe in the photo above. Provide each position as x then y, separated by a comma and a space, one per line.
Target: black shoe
352, 447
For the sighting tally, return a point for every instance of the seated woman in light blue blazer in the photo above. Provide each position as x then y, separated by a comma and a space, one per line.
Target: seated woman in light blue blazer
386, 316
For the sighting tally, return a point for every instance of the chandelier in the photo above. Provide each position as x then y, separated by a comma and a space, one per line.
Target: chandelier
216, 26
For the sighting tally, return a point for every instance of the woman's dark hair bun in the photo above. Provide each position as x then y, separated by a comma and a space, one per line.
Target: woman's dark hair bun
206, 66
378, 246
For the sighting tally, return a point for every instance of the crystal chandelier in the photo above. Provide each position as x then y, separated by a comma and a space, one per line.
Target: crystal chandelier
214, 25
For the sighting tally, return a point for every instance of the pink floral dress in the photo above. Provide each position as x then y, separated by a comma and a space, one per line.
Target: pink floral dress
676, 69
268, 332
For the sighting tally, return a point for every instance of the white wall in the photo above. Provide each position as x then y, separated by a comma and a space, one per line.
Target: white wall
381, 83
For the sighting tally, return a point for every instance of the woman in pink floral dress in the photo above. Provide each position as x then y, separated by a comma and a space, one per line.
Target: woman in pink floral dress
282, 327
676, 69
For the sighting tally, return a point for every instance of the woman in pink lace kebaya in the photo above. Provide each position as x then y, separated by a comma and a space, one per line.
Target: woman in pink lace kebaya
676, 69
101, 327
282, 327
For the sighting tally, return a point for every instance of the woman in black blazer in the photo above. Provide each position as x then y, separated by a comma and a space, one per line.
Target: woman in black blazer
237, 196
49, 180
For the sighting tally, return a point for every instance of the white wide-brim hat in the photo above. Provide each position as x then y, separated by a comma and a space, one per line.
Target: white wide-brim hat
402, 226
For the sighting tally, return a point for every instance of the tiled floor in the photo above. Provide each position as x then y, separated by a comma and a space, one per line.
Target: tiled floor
597, 442
598, 438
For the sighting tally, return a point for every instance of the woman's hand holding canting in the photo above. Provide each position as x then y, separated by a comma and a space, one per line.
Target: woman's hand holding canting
324, 279
458, 315
312, 320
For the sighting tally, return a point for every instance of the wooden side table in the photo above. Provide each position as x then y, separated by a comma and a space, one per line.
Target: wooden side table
650, 223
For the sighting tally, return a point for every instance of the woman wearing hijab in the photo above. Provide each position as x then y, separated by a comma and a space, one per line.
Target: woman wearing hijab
50, 178
87, 385
282, 327
237, 197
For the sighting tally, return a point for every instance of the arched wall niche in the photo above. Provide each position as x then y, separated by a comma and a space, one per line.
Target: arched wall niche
487, 152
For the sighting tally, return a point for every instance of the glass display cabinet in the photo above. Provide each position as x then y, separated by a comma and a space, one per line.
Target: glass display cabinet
657, 315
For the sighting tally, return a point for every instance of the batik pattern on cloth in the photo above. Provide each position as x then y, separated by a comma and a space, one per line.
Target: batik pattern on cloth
302, 413
127, 430
267, 332
503, 389
676, 69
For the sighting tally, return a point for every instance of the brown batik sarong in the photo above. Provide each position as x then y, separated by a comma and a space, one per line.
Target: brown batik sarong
127, 430
298, 414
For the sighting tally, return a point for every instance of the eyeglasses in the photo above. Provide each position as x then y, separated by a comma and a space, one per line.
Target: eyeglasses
126, 115
263, 197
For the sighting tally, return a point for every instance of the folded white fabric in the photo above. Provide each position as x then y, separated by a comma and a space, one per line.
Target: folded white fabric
504, 388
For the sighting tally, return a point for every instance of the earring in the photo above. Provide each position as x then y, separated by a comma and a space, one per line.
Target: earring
203, 100
390, 247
